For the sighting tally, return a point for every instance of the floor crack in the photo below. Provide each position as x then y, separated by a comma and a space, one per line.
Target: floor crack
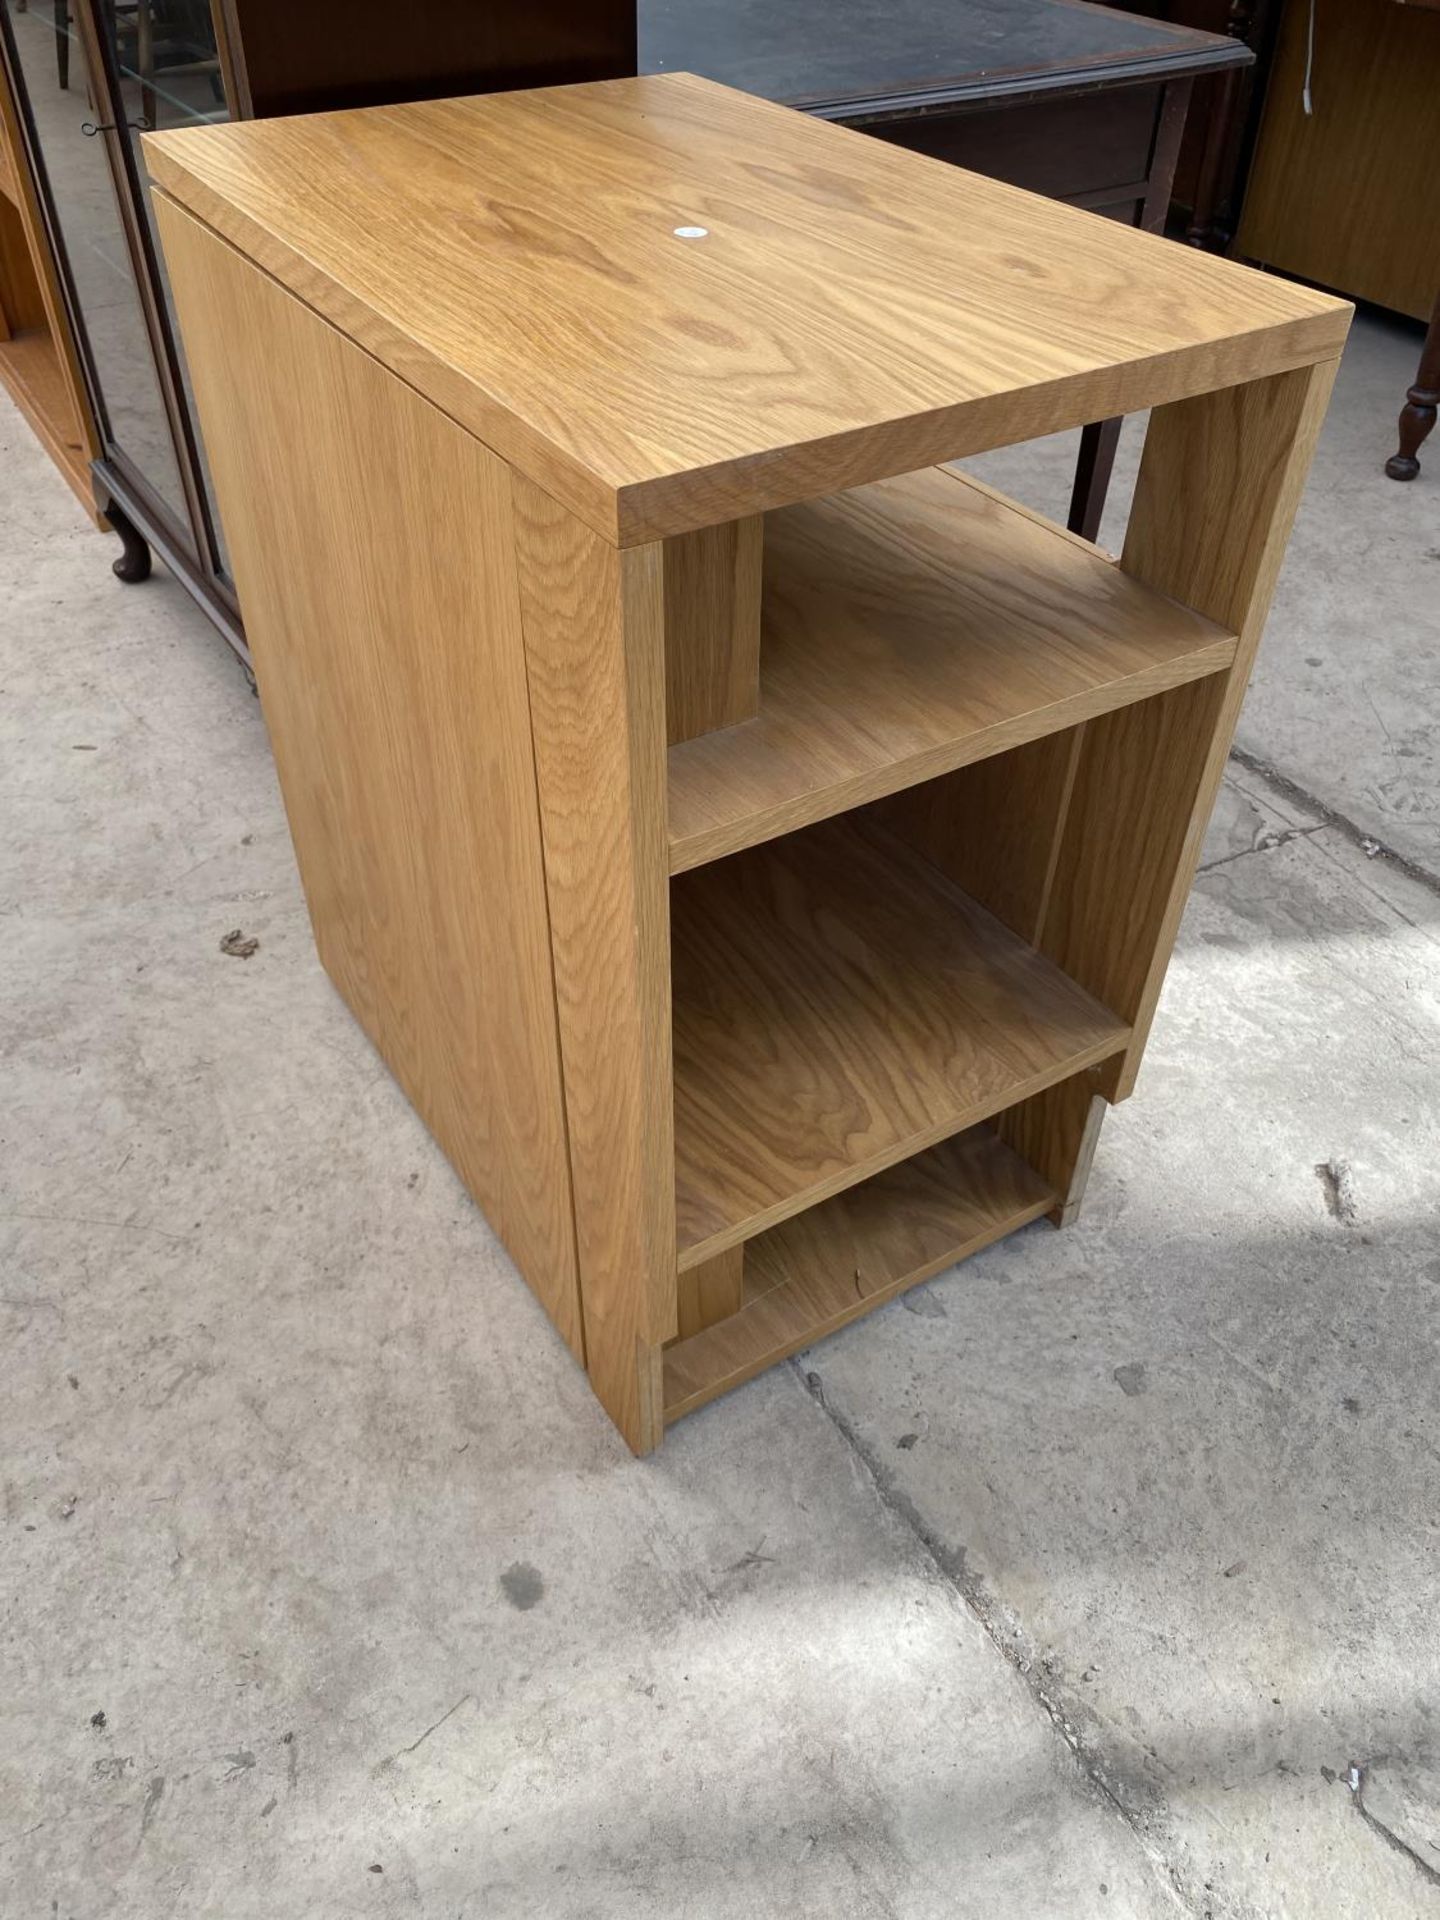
1267, 843
951, 1568
433, 1726
1357, 1781
1338, 822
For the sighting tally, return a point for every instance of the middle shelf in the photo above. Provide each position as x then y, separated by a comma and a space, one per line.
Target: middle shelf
909, 628
839, 1004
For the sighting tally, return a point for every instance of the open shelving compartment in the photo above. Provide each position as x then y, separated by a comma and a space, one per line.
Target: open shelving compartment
914, 897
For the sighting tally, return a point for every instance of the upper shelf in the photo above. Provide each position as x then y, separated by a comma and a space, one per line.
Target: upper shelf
671, 304
911, 627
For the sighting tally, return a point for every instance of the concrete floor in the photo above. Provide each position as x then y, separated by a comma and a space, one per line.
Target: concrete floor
1099, 1577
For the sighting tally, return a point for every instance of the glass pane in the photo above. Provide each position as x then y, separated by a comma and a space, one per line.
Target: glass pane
168, 61
52, 68
170, 76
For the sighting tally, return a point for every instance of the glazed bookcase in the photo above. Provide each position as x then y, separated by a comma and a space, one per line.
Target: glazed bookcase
39, 367
755, 846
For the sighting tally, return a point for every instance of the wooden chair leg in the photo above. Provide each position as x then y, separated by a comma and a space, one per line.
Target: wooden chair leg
62, 43
1092, 477
1417, 416
145, 62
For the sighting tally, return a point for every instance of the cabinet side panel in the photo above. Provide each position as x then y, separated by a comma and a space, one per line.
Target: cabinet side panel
594, 647
1219, 484
373, 551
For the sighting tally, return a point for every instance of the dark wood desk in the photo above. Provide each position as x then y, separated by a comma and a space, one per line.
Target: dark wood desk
1083, 103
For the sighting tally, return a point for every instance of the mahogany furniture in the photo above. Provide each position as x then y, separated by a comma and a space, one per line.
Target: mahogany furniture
1082, 102
1346, 195
1224, 111
1417, 416
39, 365
284, 58
755, 848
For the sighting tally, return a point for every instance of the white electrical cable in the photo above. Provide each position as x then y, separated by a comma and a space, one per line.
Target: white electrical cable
1309, 61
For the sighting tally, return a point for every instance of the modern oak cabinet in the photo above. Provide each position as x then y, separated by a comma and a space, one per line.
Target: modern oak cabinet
755, 848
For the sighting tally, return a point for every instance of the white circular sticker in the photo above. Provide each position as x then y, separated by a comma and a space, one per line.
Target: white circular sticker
691, 233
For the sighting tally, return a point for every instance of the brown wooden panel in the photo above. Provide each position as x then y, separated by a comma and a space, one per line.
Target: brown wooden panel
1347, 195
20, 298
1064, 148
289, 58
392, 677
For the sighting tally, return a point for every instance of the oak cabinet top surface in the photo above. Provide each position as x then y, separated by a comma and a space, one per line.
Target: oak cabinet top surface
670, 303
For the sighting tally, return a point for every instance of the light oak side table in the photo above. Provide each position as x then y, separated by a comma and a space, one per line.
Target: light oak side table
755, 849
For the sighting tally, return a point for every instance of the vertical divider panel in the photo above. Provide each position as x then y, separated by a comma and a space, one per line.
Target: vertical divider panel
1056, 1132
1219, 483
712, 627
712, 1291
594, 638
995, 827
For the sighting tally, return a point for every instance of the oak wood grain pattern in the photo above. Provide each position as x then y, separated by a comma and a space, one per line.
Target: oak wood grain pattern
909, 628
593, 624
838, 1005
853, 311
815, 1273
712, 627
1346, 195
711, 1292
995, 827
1220, 480
392, 678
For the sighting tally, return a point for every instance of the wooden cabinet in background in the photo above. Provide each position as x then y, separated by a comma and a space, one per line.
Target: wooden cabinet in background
1348, 195
289, 58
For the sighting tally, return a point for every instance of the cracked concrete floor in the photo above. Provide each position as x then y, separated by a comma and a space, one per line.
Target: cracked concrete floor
1098, 1577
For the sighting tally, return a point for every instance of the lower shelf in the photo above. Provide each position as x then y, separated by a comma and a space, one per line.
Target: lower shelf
840, 1005
816, 1272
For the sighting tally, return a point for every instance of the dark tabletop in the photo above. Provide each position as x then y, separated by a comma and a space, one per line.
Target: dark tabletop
834, 55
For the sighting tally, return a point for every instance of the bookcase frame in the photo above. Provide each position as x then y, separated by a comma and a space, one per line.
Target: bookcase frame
759, 894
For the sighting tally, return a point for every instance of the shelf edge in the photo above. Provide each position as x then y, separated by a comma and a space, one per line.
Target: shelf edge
696, 1253
698, 849
766, 1351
